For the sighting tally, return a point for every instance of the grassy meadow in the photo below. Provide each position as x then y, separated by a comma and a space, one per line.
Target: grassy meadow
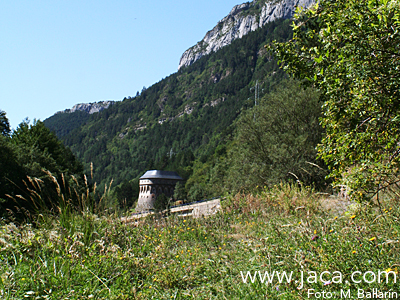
92, 255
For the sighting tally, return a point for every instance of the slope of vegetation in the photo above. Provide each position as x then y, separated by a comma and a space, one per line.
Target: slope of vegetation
72, 246
31, 158
272, 142
180, 121
348, 50
283, 229
63, 123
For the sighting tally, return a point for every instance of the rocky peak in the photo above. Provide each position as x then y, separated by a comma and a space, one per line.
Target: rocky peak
89, 108
238, 8
242, 19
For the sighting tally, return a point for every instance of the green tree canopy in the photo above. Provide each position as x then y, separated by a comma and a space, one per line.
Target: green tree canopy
275, 141
179, 192
127, 193
26, 158
4, 124
349, 50
40, 148
162, 203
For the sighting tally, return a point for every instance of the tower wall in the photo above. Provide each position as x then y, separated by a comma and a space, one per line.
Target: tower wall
149, 189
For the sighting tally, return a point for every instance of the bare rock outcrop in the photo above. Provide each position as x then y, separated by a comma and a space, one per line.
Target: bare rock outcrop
242, 19
89, 108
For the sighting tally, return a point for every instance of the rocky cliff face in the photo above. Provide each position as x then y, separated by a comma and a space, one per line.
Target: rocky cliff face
90, 108
242, 19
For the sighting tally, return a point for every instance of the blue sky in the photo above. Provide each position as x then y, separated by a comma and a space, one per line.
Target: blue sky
55, 54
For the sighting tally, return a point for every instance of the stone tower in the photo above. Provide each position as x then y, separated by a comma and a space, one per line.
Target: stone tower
154, 183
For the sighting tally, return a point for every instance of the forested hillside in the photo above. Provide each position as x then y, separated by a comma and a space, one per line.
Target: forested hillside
32, 159
206, 123
63, 123
182, 123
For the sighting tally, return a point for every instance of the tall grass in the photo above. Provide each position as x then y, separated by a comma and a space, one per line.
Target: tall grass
283, 229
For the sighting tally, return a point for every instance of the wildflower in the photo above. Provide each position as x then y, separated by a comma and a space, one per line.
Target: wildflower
327, 282
335, 217
315, 237
372, 239
315, 232
353, 216
300, 223
354, 252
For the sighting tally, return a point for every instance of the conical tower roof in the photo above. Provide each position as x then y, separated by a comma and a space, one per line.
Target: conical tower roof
161, 175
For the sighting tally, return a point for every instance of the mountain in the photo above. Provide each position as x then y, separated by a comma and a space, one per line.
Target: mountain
63, 122
89, 108
187, 121
242, 19
181, 121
